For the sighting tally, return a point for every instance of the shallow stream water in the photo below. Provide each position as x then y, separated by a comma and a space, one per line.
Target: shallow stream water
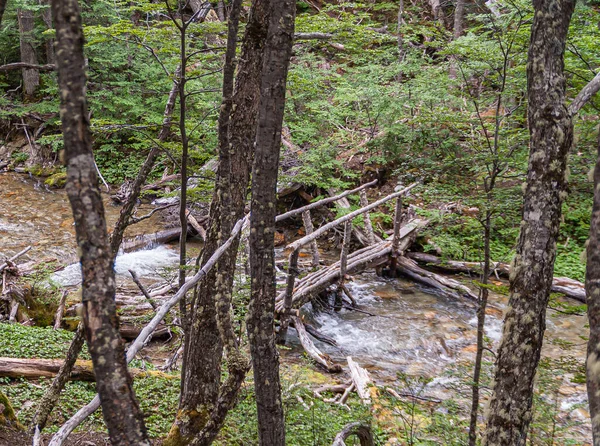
410, 329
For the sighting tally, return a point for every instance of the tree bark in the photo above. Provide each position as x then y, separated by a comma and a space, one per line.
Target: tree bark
47, 18
459, 14
203, 349
2, 8
31, 76
265, 357
121, 411
592, 285
551, 136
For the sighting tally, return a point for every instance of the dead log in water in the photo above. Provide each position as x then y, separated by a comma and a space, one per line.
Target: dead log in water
317, 355
368, 257
448, 286
569, 287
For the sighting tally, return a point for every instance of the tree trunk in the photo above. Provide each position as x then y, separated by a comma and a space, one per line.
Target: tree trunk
483, 300
551, 136
592, 285
31, 76
2, 9
203, 349
47, 18
265, 357
120, 408
459, 14
48, 401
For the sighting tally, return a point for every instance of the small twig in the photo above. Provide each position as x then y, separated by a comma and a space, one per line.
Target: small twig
101, 177
133, 220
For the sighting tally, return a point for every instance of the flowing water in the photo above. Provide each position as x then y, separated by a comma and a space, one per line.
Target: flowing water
410, 329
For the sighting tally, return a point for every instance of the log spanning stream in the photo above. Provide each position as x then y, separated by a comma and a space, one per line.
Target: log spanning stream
402, 327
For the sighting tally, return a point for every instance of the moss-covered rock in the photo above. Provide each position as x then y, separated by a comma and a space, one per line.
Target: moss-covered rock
57, 180
8, 418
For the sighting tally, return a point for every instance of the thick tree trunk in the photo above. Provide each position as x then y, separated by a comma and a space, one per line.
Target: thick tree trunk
120, 408
265, 357
551, 131
592, 285
203, 347
31, 76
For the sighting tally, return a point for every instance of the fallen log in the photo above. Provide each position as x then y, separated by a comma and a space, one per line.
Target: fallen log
361, 379
569, 287
312, 351
370, 256
361, 430
48, 368
448, 286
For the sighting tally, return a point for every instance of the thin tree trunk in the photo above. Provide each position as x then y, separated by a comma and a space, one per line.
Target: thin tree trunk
203, 348
31, 76
480, 328
48, 401
265, 357
551, 131
121, 411
592, 288
2, 9
459, 14
47, 18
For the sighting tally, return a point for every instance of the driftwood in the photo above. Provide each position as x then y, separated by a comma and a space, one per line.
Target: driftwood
310, 348
308, 226
60, 310
158, 238
323, 202
448, 286
371, 256
361, 430
569, 287
364, 202
13, 258
48, 368
361, 379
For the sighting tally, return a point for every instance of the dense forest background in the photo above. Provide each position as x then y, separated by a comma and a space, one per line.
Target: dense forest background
373, 96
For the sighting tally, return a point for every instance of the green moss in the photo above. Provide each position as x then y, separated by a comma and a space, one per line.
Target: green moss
56, 180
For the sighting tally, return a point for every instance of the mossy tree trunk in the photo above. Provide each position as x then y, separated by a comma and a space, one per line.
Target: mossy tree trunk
120, 409
551, 136
203, 347
265, 358
592, 289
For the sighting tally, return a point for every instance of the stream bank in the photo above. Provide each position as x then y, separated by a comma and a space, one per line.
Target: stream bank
411, 331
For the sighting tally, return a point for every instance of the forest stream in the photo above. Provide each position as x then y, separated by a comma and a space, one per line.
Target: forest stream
403, 327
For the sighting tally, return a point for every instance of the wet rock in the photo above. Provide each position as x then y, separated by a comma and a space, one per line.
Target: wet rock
567, 390
580, 414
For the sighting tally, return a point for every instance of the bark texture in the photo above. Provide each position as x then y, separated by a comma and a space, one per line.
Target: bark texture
592, 289
2, 8
31, 76
120, 408
459, 14
551, 136
265, 357
203, 347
